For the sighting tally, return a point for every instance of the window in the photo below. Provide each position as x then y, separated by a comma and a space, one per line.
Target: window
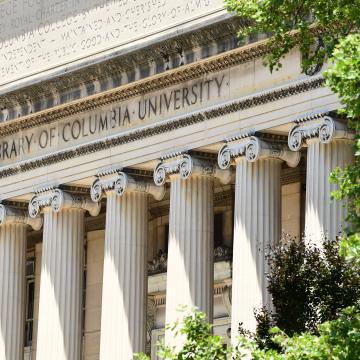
30, 296
218, 230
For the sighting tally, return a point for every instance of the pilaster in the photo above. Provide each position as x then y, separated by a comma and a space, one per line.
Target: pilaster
329, 145
124, 297
257, 217
13, 226
59, 335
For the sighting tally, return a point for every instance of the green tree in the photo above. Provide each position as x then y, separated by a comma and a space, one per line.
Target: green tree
315, 26
338, 339
308, 286
344, 79
323, 30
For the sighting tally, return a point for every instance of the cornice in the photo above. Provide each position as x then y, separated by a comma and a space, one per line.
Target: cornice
170, 48
162, 127
138, 88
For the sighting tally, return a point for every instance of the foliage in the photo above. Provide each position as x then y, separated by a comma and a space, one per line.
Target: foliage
316, 22
337, 339
321, 29
199, 343
344, 78
308, 286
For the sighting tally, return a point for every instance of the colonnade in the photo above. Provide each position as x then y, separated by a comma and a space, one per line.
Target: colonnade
190, 264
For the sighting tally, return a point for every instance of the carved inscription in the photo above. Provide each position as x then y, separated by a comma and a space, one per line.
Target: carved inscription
114, 119
36, 35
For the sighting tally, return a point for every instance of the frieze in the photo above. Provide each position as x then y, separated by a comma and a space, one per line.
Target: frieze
138, 88
112, 119
168, 54
170, 125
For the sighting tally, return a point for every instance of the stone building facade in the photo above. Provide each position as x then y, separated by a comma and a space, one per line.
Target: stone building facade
148, 160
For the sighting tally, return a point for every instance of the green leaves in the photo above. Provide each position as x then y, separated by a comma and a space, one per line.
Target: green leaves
311, 19
308, 286
199, 343
343, 77
337, 340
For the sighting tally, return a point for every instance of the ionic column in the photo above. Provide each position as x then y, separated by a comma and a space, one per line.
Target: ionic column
257, 220
190, 267
329, 145
60, 306
124, 296
13, 225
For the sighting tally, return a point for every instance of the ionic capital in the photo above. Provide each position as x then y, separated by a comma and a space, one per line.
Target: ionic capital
252, 149
185, 165
323, 128
57, 200
10, 215
121, 182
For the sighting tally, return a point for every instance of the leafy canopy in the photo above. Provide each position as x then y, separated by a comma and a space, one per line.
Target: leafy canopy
316, 22
338, 340
343, 77
322, 30
308, 286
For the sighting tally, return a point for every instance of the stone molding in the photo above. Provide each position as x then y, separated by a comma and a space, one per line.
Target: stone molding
246, 102
139, 88
172, 77
252, 148
10, 215
57, 200
185, 165
170, 48
121, 182
219, 288
318, 126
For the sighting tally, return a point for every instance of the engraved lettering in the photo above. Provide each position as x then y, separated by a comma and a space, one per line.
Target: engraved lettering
111, 120
43, 139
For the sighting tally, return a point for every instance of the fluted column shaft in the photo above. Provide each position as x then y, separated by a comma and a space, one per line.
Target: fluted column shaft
257, 217
12, 291
60, 307
257, 225
13, 223
329, 143
324, 217
190, 255
124, 297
